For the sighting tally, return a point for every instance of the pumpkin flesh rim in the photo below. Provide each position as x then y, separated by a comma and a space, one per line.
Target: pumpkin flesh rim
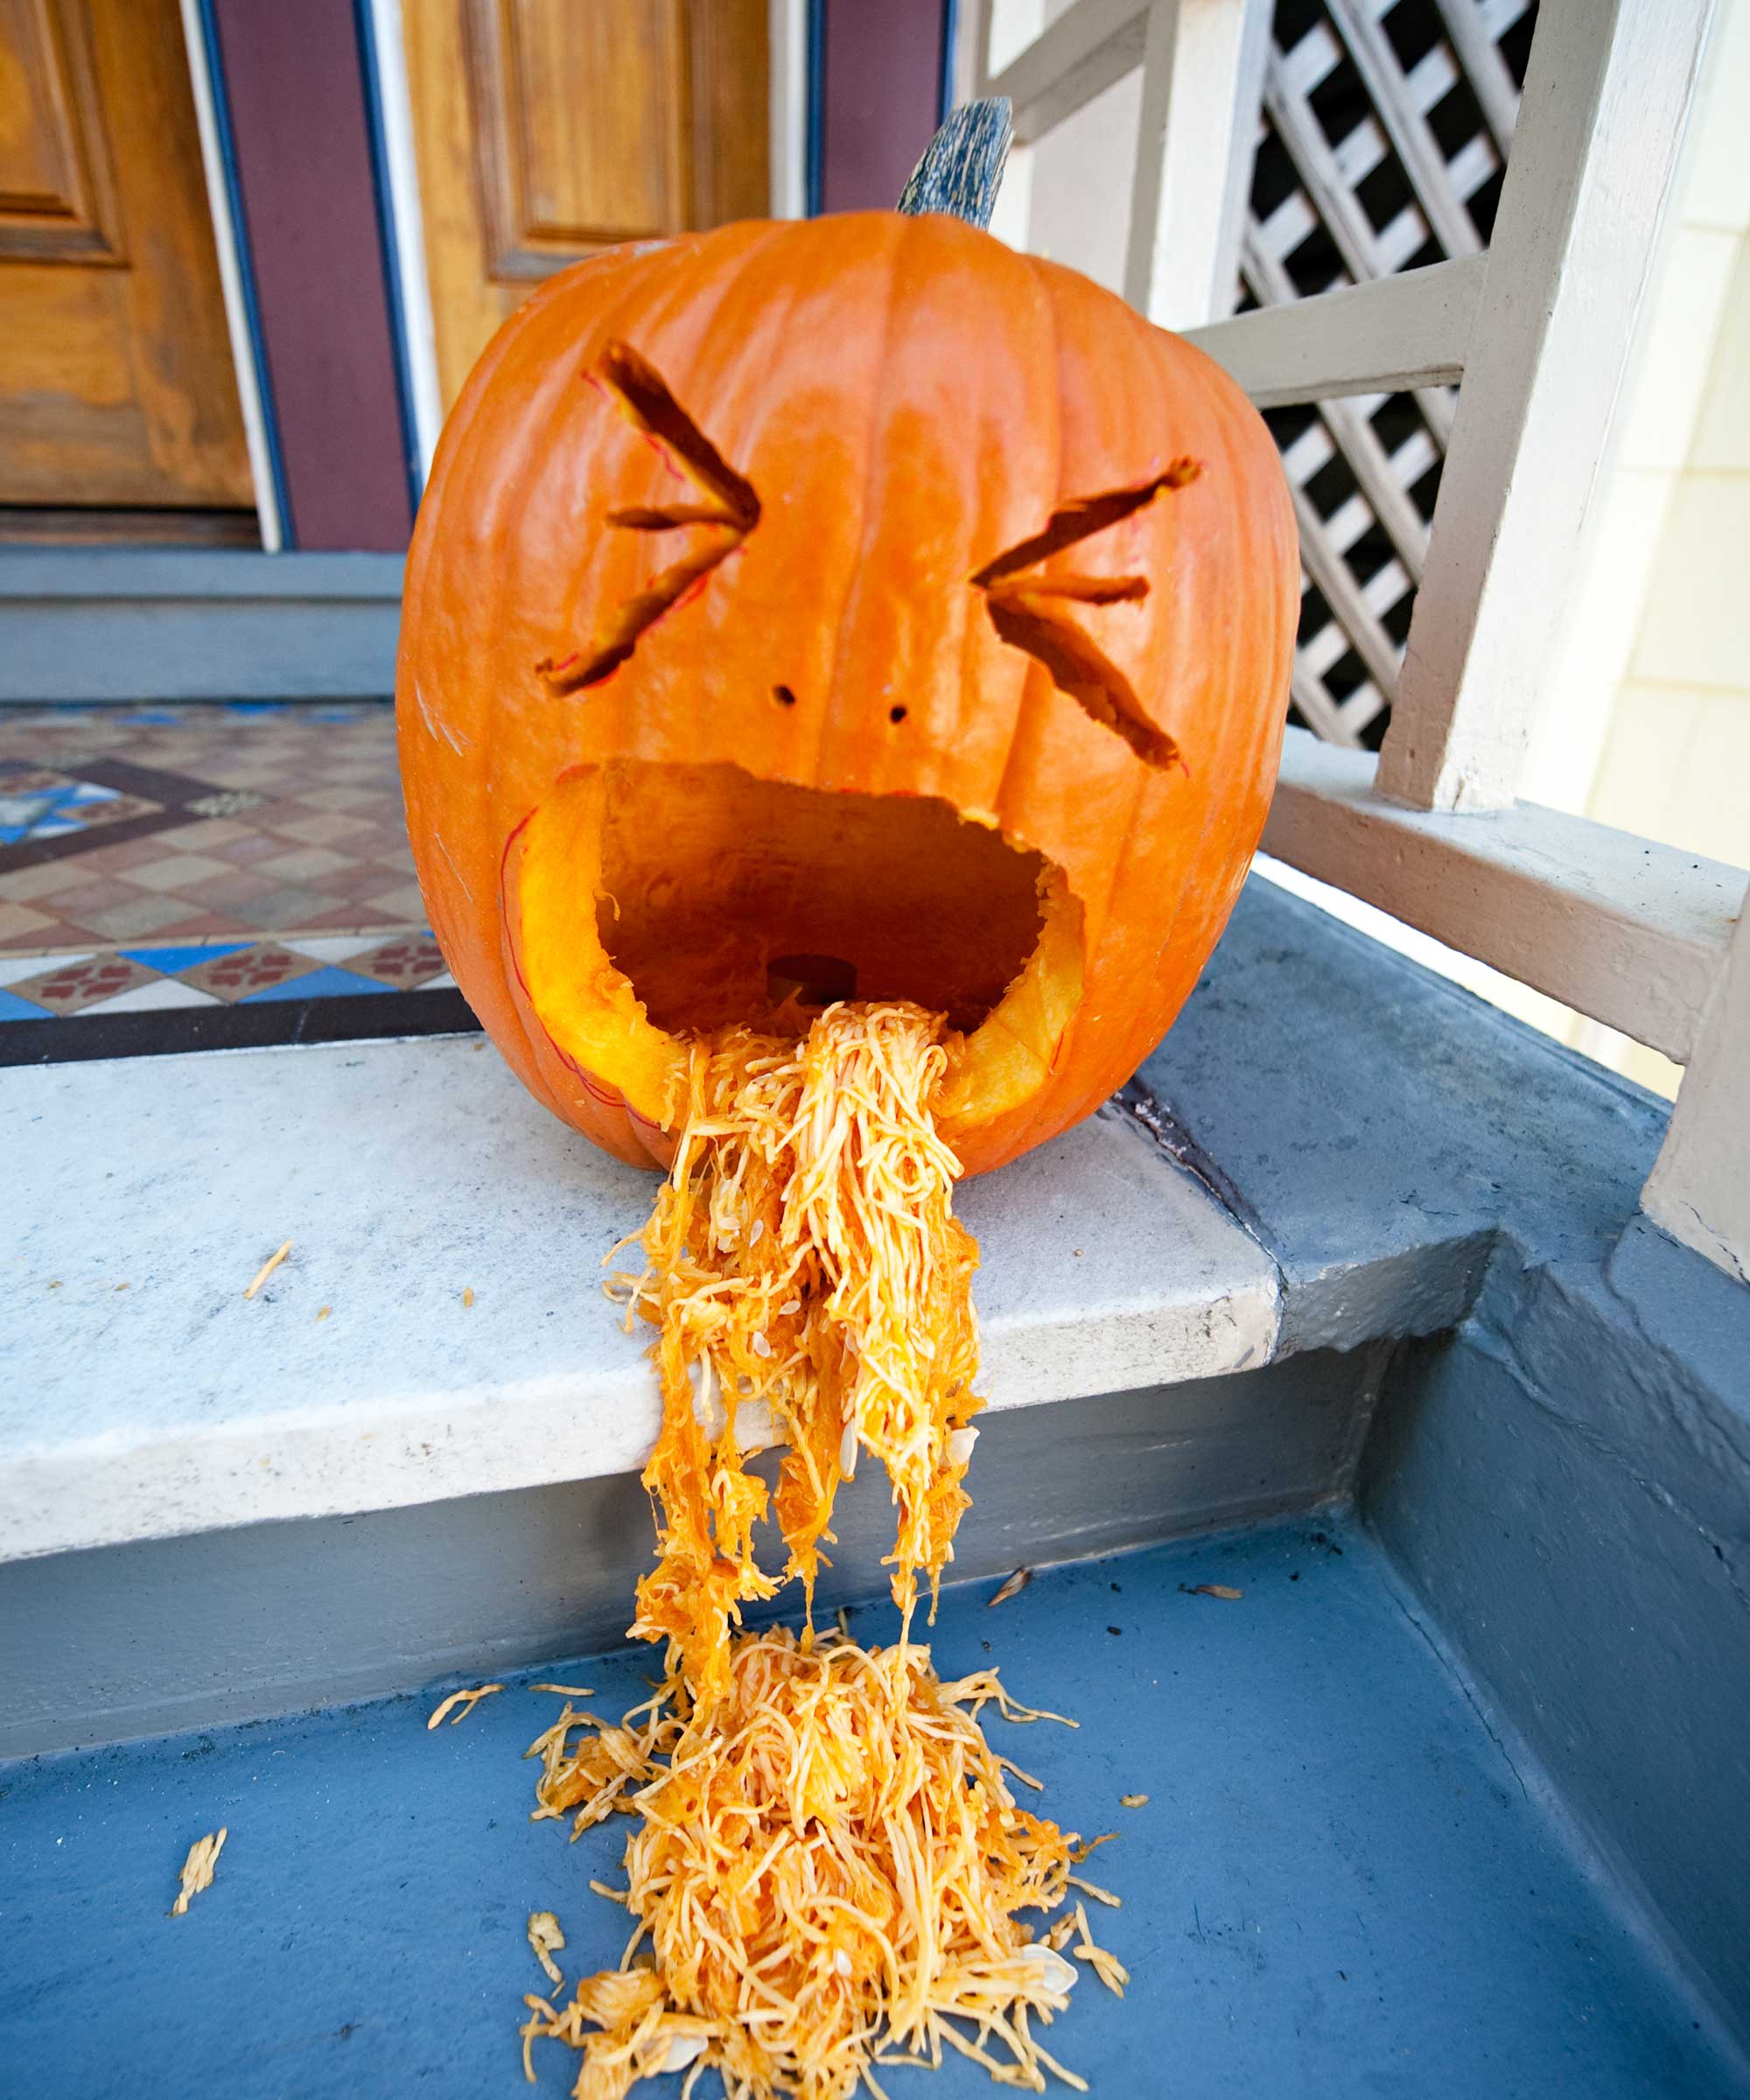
565, 910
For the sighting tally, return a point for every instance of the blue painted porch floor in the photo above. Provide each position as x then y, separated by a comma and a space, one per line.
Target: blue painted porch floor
1338, 1885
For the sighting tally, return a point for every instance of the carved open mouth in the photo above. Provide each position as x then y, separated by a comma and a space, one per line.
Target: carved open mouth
659, 901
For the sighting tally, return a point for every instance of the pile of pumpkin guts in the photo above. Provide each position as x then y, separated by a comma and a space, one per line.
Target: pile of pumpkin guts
830, 1869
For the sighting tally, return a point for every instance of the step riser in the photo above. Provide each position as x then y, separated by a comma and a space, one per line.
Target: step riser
128, 625
121, 1642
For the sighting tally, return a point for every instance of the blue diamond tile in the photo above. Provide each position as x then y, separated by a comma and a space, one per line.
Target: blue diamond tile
12, 1008
170, 961
50, 812
329, 983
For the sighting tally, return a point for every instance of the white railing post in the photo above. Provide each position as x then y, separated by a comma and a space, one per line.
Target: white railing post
1203, 64
1699, 1190
1600, 122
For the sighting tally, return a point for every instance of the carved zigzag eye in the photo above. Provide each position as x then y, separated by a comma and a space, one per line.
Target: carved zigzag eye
723, 507
1024, 604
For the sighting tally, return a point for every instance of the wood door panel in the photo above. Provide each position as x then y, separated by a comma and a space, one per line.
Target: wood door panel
117, 385
547, 129
56, 177
70, 418
731, 136
561, 175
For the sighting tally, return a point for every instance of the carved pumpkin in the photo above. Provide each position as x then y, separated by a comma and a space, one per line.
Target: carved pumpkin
851, 607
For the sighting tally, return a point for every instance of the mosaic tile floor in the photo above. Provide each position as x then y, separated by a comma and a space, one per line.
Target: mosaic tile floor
176, 877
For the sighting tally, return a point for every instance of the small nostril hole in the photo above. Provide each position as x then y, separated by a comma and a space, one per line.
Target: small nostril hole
783, 695
896, 714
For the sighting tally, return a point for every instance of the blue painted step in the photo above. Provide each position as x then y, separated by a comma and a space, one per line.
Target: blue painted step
1338, 1886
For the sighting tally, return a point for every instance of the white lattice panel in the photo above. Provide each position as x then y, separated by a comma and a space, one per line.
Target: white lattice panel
1421, 98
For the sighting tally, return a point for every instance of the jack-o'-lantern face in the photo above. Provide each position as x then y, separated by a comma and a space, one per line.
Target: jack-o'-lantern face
851, 608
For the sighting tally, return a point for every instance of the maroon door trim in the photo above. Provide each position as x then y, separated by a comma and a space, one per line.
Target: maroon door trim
293, 81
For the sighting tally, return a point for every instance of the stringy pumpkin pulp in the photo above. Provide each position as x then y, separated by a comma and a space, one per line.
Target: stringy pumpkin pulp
829, 1862
803, 1257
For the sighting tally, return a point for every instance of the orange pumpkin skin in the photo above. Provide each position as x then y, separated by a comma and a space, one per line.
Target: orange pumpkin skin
906, 398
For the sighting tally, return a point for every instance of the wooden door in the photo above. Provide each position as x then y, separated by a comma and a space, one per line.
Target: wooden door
117, 385
546, 129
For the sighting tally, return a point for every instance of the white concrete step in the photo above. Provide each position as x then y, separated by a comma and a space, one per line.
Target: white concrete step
1331, 1149
148, 1400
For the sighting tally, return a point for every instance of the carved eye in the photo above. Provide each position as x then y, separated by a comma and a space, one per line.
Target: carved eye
725, 510
1025, 608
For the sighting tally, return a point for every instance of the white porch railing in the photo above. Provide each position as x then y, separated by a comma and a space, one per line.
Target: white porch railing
1634, 933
